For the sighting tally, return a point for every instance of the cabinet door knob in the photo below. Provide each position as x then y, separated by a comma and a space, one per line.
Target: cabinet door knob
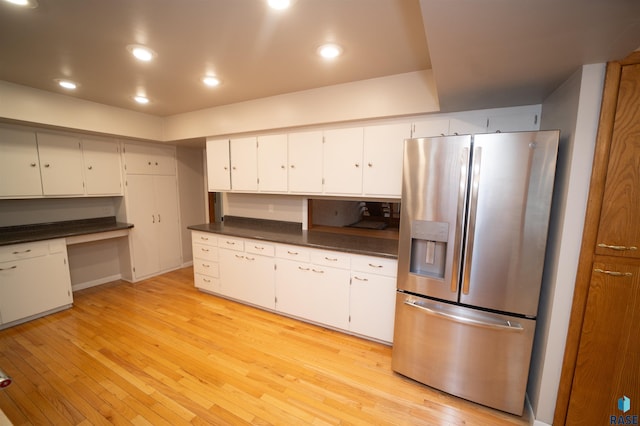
370, 164
282, 167
357, 164
293, 166
90, 167
32, 164
47, 165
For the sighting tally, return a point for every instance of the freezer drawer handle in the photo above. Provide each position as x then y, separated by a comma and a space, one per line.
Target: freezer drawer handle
507, 325
619, 248
614, 273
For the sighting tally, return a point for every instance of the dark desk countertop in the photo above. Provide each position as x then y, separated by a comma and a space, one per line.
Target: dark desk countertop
47, 231
292, 233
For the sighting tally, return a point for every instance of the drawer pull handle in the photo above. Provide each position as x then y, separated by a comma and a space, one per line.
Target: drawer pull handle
618, 248
614, 273
9, 268
204, 265
319, 271
231, 243
258, 248
23, 251
206, 280
375, 266
303, 269
360, 279
331, 259
250, 258
293, 253
204, 238
205, 250
239, 256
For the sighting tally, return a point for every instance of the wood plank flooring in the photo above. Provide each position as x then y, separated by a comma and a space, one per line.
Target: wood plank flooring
159, 352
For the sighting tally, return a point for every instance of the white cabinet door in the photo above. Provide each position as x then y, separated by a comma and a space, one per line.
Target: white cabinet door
101, 167
383, 148
316, 293
152, 207
513, 122
342, 161
218, 165
372, 305
244, 164
60, 164
19, 164
149, 159
272, 163
247, 277
430, 127
168, 222
36, 281
305, 162
141, 212
468, 124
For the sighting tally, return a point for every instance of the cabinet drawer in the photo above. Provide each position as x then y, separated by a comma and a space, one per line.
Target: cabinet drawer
331, 258
204, 267
292, 253
204, 238
258, 247
231, 243
374, 265
206, 282
201, 251
28, 250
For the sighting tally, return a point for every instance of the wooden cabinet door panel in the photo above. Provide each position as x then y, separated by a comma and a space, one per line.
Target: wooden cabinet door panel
608, 363
619, 229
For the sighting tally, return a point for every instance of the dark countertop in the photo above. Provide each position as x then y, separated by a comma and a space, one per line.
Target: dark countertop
47, 231
292, 233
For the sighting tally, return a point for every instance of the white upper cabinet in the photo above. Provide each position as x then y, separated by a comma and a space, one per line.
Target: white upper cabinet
218, 165
342, 159
513, 121
19, 164
468, 124
305, 162
101, 167
430, 127
272, 163
244, 164
149, 159
383, 148
60, 164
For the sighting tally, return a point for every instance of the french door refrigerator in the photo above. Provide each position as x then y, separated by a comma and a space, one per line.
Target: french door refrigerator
473, 232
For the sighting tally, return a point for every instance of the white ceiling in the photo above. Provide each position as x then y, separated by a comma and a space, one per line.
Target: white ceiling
484, 53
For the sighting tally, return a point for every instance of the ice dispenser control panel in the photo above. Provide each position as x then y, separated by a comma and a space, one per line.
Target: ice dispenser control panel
429, 248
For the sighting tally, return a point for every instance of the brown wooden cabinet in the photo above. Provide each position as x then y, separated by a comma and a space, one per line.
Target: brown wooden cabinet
602, 356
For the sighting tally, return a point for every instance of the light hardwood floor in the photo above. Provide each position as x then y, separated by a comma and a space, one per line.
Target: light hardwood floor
161, 353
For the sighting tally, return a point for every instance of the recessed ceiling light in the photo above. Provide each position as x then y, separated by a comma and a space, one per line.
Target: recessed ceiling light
24, 3
329, 50
141, 99
67, 84
279, 4
211, 81
141, 52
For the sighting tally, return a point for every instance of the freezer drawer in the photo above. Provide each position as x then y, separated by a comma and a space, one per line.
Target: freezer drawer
476, 355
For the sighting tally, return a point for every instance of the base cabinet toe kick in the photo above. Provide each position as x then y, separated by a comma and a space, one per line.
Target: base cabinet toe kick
343, 291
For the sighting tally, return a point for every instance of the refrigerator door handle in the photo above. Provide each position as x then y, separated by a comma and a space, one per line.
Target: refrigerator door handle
462, 192
473, 208
490, 322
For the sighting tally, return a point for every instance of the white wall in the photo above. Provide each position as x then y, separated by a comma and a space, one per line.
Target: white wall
286, 208
573, 108
191, 190
51, 109
396, 95
39, 210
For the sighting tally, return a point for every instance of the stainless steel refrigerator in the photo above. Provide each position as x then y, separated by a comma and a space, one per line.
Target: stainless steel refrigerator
473, 232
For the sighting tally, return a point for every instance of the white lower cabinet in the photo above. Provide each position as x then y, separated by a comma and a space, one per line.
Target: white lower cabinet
348, 292
205, 261
372, 297
246, 275
34, 280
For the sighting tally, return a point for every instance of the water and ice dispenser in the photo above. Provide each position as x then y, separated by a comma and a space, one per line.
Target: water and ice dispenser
429, 248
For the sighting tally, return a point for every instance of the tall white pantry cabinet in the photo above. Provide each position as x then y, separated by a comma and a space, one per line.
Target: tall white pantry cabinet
151, 193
